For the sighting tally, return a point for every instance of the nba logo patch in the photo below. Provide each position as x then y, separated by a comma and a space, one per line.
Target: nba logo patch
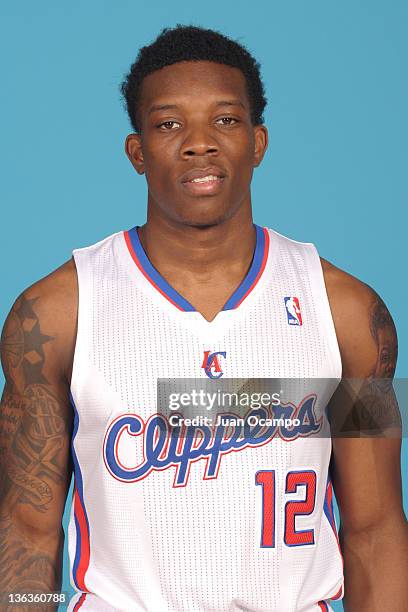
293, 311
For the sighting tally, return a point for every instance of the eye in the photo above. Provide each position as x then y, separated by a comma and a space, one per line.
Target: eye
227, 120
168, 125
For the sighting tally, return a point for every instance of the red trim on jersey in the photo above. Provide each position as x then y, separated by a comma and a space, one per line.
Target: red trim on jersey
329, 495
79, 602
147, 277
339, 593
176, 299
261, 269
329, 504
323, 606
83, 563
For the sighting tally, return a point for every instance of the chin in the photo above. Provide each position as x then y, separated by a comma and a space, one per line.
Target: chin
204, 218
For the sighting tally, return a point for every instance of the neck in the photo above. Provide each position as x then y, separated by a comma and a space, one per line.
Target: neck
183, 251
204, 264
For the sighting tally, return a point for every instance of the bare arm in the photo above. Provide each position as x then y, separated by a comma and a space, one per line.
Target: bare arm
366, 470
35, 432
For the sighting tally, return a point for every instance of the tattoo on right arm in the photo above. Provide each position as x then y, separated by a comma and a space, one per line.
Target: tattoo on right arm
35, 428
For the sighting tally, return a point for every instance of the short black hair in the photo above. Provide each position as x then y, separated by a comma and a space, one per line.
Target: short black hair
192, 43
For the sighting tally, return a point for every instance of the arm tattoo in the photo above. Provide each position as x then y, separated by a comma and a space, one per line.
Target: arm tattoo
34, 428
383, 331
25, 567
34, 453
369, 406
22, 346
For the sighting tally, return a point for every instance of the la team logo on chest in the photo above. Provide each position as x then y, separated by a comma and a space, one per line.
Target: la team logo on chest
211, 363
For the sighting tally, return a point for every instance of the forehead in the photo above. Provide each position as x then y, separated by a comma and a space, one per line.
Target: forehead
205, 81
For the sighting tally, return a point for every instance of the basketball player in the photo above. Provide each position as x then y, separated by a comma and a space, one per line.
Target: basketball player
199, 291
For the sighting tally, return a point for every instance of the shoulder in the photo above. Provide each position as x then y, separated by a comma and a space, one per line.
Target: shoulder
54, 296
365, 330
45, 311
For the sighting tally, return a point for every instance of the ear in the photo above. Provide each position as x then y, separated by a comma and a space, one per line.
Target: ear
261, 143
133, 148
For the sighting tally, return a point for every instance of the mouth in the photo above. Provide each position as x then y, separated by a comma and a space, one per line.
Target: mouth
208, 184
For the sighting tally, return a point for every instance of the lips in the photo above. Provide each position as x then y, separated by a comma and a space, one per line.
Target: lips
203, 181
201, 173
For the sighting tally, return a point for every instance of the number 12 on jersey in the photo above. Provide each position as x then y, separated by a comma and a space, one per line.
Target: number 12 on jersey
293, 508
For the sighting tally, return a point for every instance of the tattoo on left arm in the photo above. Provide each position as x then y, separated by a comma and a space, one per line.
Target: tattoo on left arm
385, 335
369, 406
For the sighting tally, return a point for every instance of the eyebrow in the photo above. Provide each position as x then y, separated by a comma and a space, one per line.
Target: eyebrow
230, 103
161, 107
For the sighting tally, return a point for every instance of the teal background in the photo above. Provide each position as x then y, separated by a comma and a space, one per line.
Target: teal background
335, 172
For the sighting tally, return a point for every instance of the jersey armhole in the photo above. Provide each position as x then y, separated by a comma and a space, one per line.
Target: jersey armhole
325, 313
81, 342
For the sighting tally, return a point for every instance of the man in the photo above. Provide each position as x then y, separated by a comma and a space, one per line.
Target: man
162, 520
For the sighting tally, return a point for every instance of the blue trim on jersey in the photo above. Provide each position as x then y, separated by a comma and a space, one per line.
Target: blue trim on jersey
79, 486
328, 510
77, 552
175, 296
154, 274
252, 273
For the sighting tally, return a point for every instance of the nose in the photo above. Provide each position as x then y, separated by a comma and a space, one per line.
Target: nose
198, 141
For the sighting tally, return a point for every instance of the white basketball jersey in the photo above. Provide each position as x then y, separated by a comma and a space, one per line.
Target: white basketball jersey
160, 523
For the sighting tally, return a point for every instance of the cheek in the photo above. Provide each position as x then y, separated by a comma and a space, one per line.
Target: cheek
241, 153
155, 155
242, 166
159, 165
